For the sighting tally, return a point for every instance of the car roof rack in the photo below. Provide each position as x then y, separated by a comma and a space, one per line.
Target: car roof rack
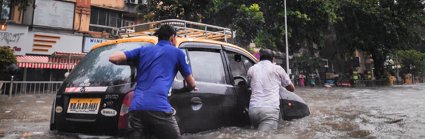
187, 29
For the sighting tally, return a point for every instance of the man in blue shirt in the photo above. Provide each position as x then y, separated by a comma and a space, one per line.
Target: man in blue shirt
150, 110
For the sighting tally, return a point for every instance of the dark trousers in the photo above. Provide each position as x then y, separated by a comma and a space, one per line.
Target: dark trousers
146, 124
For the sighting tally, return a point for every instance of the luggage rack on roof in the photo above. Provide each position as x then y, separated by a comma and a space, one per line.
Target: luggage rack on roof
184, 28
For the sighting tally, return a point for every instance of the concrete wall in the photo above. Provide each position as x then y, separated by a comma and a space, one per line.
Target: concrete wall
16, 37
83, 11
17, 15
28, 13
82, 15
54, 14
82, 22
109, 4
31, 42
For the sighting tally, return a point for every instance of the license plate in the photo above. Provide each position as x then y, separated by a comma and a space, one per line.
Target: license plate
84, 105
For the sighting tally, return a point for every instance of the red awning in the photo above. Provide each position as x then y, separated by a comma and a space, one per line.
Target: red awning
45, 62
40, 59
68, 54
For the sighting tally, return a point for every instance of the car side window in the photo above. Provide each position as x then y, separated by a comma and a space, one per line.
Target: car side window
247, 62
239, 66
236, 64
207, 65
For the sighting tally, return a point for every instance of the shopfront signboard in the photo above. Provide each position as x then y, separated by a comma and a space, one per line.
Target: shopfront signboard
89, 42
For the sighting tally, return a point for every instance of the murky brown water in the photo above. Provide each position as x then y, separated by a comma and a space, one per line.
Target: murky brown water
390, 112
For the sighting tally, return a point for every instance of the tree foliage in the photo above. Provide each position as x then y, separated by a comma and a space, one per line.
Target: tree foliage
193, 10
378, 27
248, 24
6, 57
412, 61
20, 3
306, 62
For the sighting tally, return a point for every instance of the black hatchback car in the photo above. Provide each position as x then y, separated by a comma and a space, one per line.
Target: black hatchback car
96, 95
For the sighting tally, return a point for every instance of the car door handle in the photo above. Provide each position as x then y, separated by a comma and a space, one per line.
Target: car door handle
195, 90
195, 100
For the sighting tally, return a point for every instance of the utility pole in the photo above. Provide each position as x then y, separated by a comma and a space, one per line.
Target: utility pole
286, 40
11, 86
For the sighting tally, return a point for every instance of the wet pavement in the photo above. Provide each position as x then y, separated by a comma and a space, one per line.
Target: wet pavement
384, 112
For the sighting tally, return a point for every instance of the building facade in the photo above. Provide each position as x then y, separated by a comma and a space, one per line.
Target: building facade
49, 37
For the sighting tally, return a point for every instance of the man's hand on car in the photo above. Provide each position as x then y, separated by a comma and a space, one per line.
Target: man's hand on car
191, 85
118, 58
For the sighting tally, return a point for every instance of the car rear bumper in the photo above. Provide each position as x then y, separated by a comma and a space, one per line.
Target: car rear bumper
86, 125
93, 123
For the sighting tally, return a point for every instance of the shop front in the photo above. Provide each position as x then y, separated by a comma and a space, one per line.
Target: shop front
42, 56
47, 68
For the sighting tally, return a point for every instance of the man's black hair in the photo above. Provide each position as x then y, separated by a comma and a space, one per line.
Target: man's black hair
165, 32
266, 54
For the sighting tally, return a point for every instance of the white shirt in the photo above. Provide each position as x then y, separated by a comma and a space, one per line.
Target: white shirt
266, 80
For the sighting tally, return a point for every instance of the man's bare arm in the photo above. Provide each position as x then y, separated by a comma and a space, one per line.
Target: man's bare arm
191, 85
286, 82
118, 58
290, 87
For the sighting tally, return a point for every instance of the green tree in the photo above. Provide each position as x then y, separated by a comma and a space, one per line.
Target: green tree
308, 22
6, 58
306, 63
220, 11
412, 61
22, 4
378, 27
193, 10
247, 23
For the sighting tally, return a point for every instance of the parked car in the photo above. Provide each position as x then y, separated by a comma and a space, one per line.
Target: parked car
96, 95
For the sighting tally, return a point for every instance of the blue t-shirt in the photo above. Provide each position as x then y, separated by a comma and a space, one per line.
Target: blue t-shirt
156, 69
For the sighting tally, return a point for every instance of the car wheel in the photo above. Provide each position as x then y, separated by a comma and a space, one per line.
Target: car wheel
52, 127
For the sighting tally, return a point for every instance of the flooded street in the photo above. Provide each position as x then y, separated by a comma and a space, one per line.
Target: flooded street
391, 112
387, 112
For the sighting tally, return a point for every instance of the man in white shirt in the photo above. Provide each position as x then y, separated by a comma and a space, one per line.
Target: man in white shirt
266, 79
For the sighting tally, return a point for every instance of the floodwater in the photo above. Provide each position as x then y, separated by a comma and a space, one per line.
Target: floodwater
384, 112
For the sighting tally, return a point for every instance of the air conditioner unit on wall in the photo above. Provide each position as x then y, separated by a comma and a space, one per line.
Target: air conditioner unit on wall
132, 1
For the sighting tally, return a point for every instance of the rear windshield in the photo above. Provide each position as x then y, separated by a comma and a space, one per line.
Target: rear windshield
96, 70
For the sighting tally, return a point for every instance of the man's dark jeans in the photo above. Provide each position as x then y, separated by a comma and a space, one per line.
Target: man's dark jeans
144, 124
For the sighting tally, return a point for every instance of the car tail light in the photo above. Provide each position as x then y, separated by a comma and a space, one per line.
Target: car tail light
122, 121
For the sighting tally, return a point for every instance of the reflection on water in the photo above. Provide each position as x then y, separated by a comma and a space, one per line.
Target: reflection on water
392, 112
